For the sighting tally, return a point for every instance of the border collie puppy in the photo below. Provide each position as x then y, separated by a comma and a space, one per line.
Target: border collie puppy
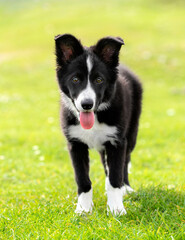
101, 106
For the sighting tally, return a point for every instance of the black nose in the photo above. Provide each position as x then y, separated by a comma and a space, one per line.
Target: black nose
87, 104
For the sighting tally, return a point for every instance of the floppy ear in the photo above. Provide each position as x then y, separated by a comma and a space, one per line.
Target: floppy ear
107, 49
67, 48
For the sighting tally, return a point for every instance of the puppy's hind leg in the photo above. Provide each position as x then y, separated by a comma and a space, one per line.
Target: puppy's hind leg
127, 187
104, 161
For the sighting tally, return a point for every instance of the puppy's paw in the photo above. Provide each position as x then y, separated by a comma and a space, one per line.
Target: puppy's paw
115, 199
83, 209
85, 203
116, 209
127, 189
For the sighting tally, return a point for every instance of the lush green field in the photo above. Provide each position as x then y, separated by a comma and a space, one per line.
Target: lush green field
37, 187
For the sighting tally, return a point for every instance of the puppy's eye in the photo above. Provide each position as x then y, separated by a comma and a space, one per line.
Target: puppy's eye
75, 80
99, 80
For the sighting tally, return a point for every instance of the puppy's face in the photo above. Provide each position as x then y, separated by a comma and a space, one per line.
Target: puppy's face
87, 75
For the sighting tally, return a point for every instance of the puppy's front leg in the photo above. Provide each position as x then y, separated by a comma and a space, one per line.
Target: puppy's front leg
115, 178
80, 159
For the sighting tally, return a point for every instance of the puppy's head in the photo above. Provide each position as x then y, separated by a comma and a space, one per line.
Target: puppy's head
87, 75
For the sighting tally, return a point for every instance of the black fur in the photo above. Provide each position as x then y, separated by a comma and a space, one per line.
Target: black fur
121, 89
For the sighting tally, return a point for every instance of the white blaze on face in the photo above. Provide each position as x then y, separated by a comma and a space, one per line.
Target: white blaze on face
89, 64
88, 92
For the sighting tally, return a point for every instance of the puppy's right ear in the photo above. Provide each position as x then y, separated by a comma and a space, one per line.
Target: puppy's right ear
67, 48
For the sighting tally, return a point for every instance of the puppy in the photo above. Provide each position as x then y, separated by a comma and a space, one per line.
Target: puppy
101, 106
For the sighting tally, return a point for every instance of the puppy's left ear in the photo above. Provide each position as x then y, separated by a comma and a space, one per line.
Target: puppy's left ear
107, 49
67, 48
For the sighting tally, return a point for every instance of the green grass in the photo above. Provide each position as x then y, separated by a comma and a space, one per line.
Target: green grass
37, 190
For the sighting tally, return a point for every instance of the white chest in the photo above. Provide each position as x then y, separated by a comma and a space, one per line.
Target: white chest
96, 136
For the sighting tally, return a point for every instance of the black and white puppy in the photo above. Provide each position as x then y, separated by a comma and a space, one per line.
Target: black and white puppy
101, 106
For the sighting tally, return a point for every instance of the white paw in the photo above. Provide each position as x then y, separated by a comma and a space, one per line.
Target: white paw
116, 208
114, 199
127, 189
85, 203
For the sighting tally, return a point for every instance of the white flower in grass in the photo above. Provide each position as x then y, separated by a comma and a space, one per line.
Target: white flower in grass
170, 112
2, 157
54, 129
146, 125
37, 152
41, 158
171, 186
35, 147
4, 98
174, 62
162, 59
146, 55
50, 120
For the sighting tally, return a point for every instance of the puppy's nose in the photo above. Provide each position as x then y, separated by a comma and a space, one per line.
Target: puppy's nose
87, 104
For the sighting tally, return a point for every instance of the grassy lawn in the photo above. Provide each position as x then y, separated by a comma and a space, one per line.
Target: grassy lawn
37, 187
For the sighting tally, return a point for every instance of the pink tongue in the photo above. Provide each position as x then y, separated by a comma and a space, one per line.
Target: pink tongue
87, 119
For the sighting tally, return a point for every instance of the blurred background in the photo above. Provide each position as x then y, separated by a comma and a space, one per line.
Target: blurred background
31, 143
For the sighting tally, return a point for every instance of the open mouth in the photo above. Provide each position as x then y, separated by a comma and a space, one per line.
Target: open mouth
87, 119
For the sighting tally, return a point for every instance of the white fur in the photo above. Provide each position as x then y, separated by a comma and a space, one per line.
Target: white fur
96, 136
106, 165
129, 189
69, 104
129, 167
114, 199
89, 64
103, 106
85, 203
88, 92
